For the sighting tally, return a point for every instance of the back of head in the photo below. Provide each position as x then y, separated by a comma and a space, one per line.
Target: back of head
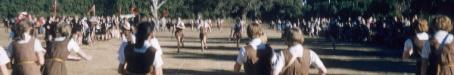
144, 30
62, 30
420, 26
443, 23
254, 30
22, 27
296, 36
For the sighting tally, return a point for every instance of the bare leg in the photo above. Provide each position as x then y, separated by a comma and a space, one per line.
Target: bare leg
203, 46
205, 41
178, 43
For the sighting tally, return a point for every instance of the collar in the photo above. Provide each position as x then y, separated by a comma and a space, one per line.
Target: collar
59, 39
440, 35
255, 42
27, 37
147, 44
422, 36
296, 50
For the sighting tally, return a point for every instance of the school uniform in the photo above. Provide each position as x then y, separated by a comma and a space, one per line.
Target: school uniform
179, 29
124, 43
58, 50
140, 60
203, 30
441, 56
421, 45
296, 60
25, 57
256, 58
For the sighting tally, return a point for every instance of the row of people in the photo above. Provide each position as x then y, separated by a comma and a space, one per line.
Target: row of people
259, 58
433, 51
37, 60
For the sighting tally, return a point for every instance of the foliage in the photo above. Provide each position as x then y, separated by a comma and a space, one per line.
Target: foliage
265, 9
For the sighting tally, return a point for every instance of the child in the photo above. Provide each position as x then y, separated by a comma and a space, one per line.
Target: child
27, 60
59, 49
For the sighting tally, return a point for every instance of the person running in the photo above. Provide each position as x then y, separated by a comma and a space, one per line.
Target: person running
418, 44
59, 49
179, 33
144, 56
204, 29
256, 55
237, 29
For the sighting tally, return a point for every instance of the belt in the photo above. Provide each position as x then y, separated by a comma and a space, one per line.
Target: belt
58, 60
26, 62
447, 65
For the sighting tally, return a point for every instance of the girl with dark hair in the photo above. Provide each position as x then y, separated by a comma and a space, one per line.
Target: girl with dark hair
27, 60
143, 56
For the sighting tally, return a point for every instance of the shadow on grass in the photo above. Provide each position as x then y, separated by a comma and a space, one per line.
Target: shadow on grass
200, 48
193, 72
210, 56
375, 65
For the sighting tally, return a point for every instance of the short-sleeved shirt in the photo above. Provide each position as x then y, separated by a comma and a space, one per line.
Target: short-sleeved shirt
148, 43
72, 44
180, 25
4, 59
255, 44
297, 50
426, 46
124, 42
440, 35
37, 46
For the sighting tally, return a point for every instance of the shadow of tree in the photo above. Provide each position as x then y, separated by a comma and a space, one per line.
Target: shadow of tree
375, 65
193, 72
199, 48
218, 57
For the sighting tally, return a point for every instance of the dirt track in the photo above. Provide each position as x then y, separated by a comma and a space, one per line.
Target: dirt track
219, 58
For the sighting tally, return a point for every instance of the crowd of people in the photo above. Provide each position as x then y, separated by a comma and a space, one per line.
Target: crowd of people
431, 45
381, 30
140, 51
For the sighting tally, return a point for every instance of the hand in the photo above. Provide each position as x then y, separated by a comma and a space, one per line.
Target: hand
88, 58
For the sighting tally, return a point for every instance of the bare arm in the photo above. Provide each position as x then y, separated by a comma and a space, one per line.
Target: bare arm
237, 67
121, 68
407, 53
157, 70
40, 56
408, 49
4, 70
84, 55
321, 72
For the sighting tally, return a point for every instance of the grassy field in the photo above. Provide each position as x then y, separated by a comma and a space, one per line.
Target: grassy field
219, 58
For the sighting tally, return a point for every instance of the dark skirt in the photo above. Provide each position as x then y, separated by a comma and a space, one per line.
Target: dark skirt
52, 67
26, 69
202, 35
179, 32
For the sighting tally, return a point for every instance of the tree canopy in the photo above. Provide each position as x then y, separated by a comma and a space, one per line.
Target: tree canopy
265, 9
